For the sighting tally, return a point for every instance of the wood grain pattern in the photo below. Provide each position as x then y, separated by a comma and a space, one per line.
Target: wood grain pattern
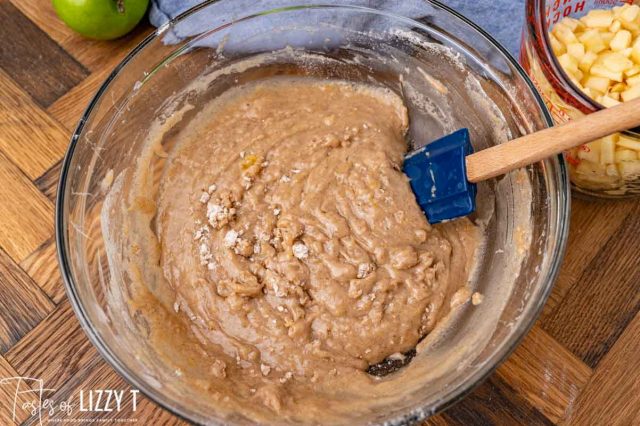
27, 219
47, 183
22, 304
95, 55
91, 53
578, 366
98, 375
546, 374
588, 234
42, 14
55, 350
30, 138
600, 304
9, 393
68, 109
42, 267
612, 396
437, 420
494, 403
35, 61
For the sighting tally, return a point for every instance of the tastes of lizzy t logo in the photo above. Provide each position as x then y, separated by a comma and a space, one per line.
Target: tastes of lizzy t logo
29, 396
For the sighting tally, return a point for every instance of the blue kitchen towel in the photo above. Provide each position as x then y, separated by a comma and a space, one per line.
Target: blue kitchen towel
503, 19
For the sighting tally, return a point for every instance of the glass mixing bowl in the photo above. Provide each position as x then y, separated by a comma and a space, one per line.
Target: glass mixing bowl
451, 74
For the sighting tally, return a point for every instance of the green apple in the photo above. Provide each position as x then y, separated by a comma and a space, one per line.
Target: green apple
101, 19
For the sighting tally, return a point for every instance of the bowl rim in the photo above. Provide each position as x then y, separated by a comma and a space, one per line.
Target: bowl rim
562, 201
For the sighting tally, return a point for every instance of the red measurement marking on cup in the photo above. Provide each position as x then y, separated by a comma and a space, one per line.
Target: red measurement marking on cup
571, 159
562, 8
559, 116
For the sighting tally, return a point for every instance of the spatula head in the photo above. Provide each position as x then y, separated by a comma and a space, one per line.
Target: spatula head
438, 176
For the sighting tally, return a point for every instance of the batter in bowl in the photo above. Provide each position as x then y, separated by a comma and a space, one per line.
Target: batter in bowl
291, 240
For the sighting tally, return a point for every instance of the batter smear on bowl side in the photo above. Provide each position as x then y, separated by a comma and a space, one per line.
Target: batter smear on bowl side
292, 243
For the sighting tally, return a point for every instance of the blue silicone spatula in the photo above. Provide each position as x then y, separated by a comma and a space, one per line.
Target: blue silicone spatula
444, 173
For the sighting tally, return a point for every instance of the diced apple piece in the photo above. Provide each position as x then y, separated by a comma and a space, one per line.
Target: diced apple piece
618, 87
592, 173
576, 50
621, 40
632, 26
633, 81
564, 34
590, 168
607, 37
635, 51
616, 61
631, 93
598, 18
600, 84
630, 14
587, 61
629, 143
590, 151
602, 71
600, 57
630, 72
576, 82
592, 41
629, 169
557, 47
615, 96
617, 10
577, 76
625, 155
615, 27
568, 63
558, 27
608, 101
608, 149
627, 52
571, 23
588, 92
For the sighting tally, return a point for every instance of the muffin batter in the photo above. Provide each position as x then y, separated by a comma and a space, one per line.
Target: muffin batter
292, 240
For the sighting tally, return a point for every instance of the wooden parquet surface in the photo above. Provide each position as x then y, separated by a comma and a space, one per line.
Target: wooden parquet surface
580, 365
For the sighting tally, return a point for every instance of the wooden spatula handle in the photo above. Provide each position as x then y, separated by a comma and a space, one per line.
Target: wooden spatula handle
535, 147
